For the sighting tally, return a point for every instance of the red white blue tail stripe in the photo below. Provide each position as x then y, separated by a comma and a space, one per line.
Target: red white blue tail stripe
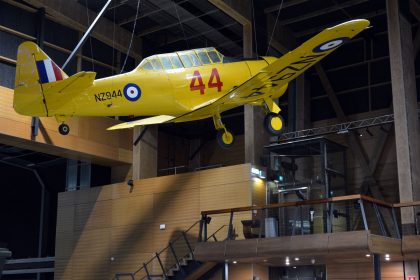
48, 71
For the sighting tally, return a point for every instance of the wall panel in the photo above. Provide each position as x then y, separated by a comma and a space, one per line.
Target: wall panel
123, 223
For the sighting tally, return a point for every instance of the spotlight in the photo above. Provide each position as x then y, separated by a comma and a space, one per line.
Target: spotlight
297, 259
367, 255
235, 262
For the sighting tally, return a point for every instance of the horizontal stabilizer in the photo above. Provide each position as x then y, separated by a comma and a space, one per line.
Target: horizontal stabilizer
80, 80
147, 121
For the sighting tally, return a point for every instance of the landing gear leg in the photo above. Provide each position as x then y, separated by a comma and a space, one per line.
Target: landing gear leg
273, 122
63, 128
225, 138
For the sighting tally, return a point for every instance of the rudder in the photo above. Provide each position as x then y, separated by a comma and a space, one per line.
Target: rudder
33, 69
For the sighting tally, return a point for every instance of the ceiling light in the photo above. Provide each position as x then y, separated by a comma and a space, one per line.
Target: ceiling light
367, 255
235, 262
294, 267
297, 259
387, 256
312, 261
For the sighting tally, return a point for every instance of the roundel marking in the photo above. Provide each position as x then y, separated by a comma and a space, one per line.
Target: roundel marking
331, 44
132, 92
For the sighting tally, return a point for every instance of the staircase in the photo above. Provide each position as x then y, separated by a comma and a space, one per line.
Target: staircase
176, 261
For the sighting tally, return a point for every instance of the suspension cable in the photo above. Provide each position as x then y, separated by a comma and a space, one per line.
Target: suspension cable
274, 27
90, 37
182, 27
132, 36
254, 27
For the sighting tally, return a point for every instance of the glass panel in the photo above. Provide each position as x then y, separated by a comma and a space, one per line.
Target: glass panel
186, 60
214, 57
166, 62
204, 57
156, 64
176, 61
195, 60
148, 66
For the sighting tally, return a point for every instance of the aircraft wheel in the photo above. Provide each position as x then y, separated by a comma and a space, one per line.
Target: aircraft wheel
64, 129
225, 138
274, 123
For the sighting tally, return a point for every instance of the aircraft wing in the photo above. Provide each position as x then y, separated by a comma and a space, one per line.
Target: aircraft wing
282, 71
146, 121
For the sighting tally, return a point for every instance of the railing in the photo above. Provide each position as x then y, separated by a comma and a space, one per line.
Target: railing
336, 214
170, 259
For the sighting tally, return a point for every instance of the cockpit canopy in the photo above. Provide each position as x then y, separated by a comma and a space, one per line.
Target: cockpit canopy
183, 59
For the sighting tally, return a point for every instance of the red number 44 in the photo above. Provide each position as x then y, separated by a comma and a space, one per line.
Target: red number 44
214, 81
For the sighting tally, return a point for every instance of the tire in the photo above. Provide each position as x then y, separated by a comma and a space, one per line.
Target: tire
64, 129
225, 139
274, 124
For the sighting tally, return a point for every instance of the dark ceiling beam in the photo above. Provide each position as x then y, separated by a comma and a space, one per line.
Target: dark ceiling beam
286, 4
322, 11
73, 15
149, 14
163, 27
196, 35
319, 28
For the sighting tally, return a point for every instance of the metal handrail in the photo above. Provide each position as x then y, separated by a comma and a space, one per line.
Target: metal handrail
133, 274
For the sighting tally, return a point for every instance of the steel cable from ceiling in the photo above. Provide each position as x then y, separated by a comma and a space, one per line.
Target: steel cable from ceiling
132, 37
274, 27
182, 27
90, 37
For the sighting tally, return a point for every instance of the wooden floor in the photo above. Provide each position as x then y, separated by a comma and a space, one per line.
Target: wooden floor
88, 138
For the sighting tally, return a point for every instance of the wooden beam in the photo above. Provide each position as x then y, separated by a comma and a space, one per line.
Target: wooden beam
246, 24
73, 15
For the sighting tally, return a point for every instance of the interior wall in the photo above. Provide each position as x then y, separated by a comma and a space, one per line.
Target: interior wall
362, 271
118, 222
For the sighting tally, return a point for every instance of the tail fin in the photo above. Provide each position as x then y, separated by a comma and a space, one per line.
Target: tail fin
33, 69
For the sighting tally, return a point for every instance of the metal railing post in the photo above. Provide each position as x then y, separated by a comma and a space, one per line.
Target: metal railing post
205, 227
161, 266
171, 247
200, 231
230, 230
362, 210
188, 245
147, 271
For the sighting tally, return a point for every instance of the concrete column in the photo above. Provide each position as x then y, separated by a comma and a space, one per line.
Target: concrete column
406, 118
405, 110
145, 153
255, 135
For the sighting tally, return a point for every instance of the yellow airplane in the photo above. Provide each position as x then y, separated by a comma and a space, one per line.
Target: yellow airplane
176, 87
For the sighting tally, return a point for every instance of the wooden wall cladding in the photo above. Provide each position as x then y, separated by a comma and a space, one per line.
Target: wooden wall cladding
88, 138
364, 271
117, 221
